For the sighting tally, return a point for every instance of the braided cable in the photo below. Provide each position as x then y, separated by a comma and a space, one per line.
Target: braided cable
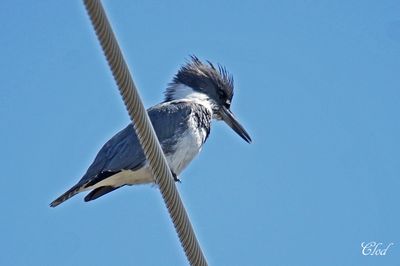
145, 132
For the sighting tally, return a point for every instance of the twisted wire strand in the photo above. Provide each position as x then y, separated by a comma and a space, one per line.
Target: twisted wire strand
145, 132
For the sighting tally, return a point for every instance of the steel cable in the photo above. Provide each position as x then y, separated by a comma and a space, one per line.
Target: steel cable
145, 132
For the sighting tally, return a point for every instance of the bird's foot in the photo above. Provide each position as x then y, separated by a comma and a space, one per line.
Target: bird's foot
176, 179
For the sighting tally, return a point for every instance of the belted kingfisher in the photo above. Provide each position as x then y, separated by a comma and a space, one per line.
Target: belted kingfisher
198, 93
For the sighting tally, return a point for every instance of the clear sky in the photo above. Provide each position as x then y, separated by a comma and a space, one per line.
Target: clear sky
317, 86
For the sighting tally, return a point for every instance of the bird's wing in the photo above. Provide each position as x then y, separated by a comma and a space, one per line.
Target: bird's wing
123, 151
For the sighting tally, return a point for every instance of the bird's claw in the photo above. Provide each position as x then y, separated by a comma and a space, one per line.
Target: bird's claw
176, 179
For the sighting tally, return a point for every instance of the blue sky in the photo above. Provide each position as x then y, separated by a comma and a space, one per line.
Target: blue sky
317, 86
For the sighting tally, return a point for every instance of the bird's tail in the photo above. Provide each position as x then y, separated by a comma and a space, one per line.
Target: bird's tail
67, 195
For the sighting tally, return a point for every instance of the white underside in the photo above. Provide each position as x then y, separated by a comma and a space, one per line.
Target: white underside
186, 149
126, 177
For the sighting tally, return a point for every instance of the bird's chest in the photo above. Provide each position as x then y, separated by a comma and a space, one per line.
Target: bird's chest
187, 146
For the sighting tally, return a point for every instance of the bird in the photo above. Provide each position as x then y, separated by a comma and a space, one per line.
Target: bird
199, 93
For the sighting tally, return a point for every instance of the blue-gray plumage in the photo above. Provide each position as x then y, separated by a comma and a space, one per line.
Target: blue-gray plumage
198, 93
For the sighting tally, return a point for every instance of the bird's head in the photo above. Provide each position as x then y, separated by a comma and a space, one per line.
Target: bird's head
208, 85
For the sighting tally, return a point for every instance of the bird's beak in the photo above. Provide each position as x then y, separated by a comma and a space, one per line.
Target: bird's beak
230, 119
